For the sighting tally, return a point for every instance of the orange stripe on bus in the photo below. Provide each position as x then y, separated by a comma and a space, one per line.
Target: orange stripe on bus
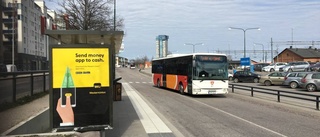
171, 81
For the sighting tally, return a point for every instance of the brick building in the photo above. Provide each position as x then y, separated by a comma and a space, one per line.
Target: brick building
298, 54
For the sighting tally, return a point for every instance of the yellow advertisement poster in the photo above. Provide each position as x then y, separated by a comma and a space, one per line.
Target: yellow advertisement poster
86, 67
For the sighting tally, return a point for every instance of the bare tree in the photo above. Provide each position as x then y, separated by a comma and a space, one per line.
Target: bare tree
144, 60
140, 61
89, 14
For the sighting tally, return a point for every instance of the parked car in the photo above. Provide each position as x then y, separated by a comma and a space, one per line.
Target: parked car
231, 67
274, 78
293, 79
230, 75
11, 68
311, 81
274, 67
259, 66
3, 70
314, 67
243, 68
245, 76
295, 66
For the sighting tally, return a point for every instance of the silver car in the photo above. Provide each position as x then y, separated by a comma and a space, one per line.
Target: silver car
274, 67
295, 66
311, 81
293, 79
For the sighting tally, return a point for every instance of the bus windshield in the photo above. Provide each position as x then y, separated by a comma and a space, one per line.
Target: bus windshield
212, 69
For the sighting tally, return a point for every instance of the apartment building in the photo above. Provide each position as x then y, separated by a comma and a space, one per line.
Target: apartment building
121, 61
23, 29
1, 37
161, 46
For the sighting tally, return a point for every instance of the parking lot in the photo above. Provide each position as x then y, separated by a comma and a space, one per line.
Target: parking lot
281, 87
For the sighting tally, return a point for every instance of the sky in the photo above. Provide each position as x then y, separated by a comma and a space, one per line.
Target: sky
207, 22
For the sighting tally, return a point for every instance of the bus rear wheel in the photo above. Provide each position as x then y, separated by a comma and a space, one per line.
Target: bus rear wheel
181, 89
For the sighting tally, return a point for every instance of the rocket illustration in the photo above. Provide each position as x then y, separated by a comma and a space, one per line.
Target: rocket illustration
68, 89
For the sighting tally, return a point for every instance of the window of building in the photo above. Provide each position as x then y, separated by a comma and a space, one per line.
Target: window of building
19, 5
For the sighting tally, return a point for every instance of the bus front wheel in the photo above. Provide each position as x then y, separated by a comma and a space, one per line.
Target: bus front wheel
181, 89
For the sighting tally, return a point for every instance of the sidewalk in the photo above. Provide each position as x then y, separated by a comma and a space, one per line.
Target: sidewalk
126, 120
127, 115
14, 116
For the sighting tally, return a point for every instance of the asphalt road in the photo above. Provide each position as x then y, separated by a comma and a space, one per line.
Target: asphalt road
229, 115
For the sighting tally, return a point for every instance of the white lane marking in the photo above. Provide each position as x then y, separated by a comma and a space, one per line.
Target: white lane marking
240, 118
23, 122
150, 120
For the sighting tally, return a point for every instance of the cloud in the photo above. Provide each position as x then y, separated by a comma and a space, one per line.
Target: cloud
207, 21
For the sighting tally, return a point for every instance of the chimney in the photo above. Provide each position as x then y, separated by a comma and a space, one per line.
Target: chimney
290, 47
310, 47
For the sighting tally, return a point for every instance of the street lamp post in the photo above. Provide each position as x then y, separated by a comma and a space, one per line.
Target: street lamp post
114, 15
13, 31
263, 56
193, 45
244, 36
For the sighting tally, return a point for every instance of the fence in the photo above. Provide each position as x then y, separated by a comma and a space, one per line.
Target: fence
278, 93
14, 85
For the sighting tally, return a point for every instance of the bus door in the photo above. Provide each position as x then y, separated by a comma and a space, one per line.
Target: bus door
189, 80
164, 80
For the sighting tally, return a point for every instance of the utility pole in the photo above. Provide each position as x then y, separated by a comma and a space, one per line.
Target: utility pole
114, 16
13, 31
272, 51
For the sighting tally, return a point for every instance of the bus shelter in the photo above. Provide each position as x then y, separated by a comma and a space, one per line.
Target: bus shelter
82, 73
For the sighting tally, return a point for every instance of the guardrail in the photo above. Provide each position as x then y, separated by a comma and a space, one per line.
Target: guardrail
22, 77
278, 93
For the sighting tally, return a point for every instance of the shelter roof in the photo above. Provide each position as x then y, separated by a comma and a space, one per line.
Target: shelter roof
86, 37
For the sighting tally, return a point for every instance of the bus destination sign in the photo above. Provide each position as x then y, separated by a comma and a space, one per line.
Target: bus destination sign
211, 58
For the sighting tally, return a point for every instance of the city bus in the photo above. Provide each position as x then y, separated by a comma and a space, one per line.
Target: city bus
195, 74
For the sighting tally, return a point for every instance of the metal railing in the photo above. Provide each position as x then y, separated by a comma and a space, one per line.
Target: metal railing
278, 93
14, 85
